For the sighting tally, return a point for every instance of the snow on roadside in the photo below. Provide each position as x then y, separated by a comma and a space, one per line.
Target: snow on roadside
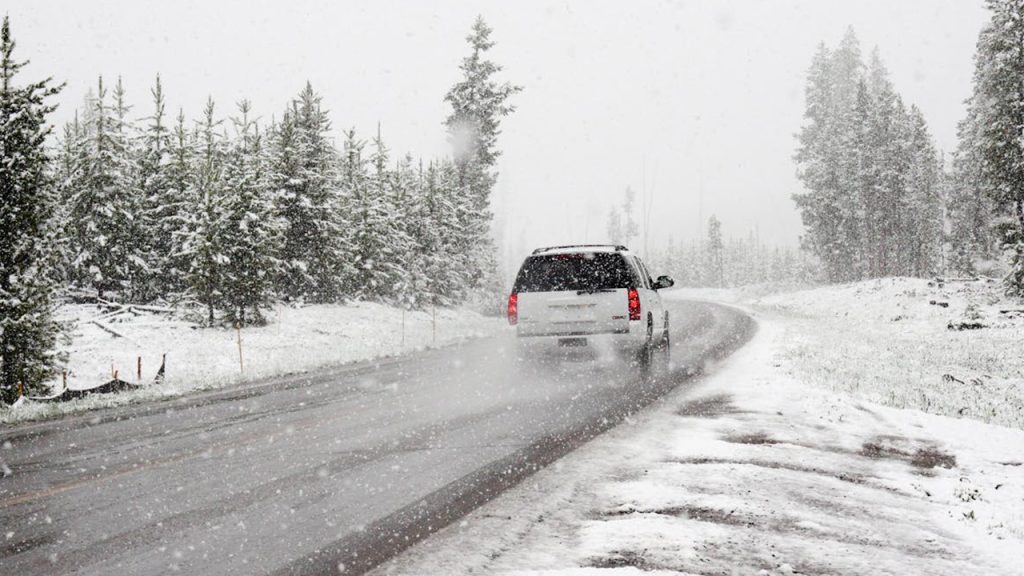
753, 472
953, 347
295, 340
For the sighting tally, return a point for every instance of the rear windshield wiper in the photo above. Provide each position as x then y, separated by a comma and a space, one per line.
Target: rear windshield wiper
594, 291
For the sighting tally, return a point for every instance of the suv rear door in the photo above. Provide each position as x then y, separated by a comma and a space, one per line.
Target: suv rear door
573, 294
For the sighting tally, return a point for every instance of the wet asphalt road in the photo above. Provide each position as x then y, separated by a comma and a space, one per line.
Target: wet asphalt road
313, 474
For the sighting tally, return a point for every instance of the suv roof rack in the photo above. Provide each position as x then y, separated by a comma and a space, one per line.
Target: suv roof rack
617, 247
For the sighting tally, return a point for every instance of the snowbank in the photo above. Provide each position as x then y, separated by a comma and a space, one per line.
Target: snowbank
296, 339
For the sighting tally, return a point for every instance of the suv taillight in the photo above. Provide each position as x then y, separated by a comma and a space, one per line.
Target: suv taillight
513, 308
634, 304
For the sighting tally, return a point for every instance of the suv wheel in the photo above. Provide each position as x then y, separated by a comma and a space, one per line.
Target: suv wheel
646, 353
665, 348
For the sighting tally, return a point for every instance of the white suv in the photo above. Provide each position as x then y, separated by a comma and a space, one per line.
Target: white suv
589, 295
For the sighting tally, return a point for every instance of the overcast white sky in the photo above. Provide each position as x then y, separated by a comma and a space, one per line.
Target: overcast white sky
706, 95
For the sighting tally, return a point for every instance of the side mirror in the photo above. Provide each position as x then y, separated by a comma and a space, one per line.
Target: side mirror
664, 282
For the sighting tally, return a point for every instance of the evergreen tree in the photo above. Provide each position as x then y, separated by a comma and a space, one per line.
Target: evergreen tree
446, 283
250, 234
715, 256
820, 206
993, 127
377, 243
411, 220
429, 233
367, 216
133, 228
307, 196
923, 233
176, 216
478, 103
160, 215
67, 177
28, 283
103, 205
203, 243
970, 210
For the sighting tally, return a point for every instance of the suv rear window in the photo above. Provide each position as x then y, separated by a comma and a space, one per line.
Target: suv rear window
577, 271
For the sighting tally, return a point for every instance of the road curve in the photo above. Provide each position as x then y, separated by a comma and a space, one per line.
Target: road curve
315, 474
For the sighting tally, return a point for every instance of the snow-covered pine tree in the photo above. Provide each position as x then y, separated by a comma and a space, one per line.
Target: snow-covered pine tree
695, 265
448, 269
104, 205
28, 280
135, 271
819, 205
829, 159
307, 196
283, 168
478, 103
924, 222
67, 177
969, 210
381, 239
714, 255
847, 71
411, 220
203, 242
884, 163
177, 216
429, 234
354, 177
997, 114
161, 207
250, 235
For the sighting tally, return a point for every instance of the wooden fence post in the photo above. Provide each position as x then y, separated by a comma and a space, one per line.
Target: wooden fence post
238, 332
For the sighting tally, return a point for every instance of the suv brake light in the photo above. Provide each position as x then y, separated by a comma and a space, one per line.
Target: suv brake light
513, 309
634, 304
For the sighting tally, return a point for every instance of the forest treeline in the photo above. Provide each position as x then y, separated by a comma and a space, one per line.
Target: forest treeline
234, 216
720, 262
879, 200
226, 214
873, 202
986, 201
715, 261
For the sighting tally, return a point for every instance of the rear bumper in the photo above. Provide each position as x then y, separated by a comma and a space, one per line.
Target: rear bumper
630, 336
592, 346
544, 329
572, 333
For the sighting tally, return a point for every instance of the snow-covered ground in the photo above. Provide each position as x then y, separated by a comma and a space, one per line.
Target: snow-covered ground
770, 465
295, 340
903, 343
